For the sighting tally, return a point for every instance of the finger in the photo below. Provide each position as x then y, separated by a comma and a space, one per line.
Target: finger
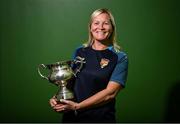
64, 108
60, 110
70, 104
59, 107
52, 102
65, 101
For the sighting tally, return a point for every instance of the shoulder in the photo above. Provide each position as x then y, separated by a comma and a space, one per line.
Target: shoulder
79, 48
122, 55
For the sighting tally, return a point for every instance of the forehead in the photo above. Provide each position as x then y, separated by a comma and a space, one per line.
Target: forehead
102, 16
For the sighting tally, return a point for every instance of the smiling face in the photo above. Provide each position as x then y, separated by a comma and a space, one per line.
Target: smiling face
101, 27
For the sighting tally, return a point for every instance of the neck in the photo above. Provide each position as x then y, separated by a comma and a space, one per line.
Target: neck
99, 46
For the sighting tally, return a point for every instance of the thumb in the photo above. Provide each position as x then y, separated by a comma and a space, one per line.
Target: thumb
64, 101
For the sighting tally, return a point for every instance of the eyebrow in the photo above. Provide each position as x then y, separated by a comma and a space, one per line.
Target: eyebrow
104, 21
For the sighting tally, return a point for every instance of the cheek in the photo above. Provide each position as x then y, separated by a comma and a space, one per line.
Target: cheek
93, 28
109, 28
92, 31
110, 31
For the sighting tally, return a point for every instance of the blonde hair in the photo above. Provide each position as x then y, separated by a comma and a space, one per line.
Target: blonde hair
112, 37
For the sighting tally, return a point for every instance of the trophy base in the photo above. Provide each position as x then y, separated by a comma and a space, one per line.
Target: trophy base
64, 94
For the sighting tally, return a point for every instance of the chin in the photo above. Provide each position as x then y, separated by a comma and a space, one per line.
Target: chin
101, 38
105, 37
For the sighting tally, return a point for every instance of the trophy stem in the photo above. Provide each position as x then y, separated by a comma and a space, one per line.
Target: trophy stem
64, 93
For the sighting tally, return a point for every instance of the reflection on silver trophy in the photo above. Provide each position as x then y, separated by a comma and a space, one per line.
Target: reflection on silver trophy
60, 73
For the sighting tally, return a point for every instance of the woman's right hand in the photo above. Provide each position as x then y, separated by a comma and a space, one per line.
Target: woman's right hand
56, 105
53, 101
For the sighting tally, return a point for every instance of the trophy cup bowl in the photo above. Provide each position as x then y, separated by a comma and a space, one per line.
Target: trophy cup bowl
60, 73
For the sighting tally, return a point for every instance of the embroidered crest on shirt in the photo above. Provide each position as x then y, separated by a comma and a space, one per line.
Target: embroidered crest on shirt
104, 62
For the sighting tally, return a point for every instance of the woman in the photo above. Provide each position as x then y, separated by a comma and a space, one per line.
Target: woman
102, 77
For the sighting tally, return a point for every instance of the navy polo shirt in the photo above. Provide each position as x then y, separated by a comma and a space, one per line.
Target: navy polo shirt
101, 67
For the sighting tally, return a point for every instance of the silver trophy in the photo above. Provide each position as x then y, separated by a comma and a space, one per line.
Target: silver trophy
60, 73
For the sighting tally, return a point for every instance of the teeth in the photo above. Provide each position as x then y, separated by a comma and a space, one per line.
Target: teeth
100, 32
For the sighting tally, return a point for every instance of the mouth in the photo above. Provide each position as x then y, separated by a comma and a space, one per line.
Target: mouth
101, 32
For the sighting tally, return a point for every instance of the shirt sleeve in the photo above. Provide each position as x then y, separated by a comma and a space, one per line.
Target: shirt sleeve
76, 52
120, 72
74, 55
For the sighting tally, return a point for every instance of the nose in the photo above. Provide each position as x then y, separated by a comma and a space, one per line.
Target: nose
101, 26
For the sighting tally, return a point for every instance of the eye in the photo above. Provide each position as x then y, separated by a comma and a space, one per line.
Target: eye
95, 23
107, 23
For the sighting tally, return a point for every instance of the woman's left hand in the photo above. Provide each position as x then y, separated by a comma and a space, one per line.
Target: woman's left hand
66, 105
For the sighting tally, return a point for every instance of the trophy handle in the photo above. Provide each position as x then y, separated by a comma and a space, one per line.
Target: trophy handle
44, 67
80, 60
